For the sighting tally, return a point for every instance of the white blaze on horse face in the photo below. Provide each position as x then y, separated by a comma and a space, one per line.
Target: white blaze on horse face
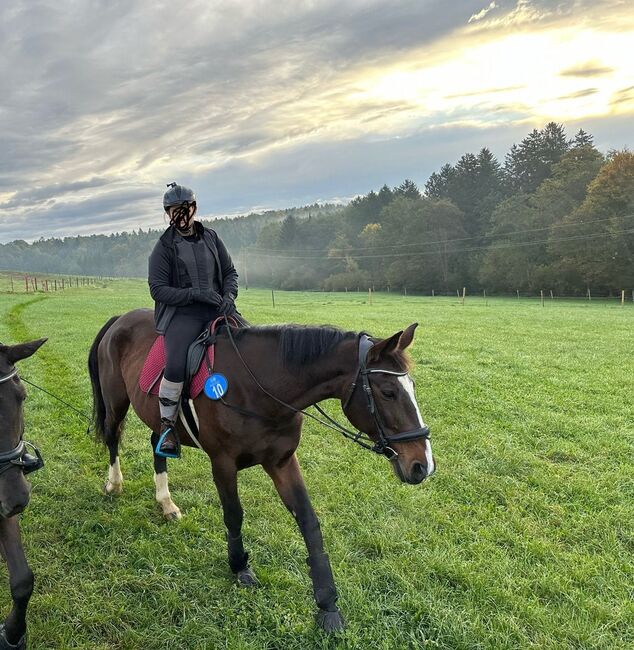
408, 385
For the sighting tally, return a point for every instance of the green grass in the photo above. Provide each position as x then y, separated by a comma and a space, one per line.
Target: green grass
524, 538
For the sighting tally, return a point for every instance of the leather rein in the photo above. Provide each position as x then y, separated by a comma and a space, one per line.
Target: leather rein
19, 456
381, 446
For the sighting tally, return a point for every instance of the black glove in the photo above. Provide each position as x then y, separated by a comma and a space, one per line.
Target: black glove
228, 305
208, 296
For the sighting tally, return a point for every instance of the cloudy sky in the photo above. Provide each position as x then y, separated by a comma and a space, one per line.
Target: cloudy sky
263, 104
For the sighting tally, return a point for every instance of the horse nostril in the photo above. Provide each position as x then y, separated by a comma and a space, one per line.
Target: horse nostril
418, 472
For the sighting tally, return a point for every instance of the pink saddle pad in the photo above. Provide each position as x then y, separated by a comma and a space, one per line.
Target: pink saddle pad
154, 366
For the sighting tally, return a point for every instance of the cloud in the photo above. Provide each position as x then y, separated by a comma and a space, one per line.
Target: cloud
580, 93
108, 101
588, 69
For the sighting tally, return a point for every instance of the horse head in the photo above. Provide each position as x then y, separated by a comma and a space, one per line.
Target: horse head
14, 459
382, 403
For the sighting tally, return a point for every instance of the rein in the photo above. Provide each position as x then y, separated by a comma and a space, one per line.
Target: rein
380, 446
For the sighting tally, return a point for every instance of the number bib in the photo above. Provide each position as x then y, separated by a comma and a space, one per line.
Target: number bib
216, 386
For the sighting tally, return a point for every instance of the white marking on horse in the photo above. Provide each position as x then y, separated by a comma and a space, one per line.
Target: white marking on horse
115, 478
163, 496
408, 385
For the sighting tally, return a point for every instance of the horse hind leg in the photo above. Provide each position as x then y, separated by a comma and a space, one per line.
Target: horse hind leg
113, 428
162, 494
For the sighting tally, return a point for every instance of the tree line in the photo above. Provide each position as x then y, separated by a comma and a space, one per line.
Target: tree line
555, 214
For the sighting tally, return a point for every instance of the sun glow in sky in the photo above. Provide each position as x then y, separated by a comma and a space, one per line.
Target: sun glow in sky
558, 74
266, 105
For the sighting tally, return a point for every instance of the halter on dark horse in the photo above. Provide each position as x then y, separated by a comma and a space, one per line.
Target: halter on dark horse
15, 462
274, 375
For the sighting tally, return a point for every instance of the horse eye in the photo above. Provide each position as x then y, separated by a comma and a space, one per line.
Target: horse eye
388, 394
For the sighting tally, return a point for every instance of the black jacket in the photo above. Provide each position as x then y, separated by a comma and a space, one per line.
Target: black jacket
163, 275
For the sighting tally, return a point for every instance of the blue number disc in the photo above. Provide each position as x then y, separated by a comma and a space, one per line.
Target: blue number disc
216, 386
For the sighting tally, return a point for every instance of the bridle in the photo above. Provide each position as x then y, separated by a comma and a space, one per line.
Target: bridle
381, 446
384, 444
19, 456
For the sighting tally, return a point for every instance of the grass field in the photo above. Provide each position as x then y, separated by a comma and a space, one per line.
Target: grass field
523, 539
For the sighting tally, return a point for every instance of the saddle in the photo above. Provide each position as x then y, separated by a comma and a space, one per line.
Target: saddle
200, 361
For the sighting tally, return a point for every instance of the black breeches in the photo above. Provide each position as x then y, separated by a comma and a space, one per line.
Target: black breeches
182, 331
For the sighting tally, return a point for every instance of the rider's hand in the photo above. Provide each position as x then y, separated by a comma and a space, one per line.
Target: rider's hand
210, 297
228, 305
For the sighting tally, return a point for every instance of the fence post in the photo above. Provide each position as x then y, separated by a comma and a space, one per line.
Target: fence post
432, 293
551, 295
464, 291
541, 292
35, 284
589, 296
369, 295
405, 288
273, 298
518, 294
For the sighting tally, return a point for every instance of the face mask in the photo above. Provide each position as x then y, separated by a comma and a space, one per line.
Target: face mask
180, 216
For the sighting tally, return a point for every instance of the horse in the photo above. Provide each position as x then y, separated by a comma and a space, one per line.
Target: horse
15, 490
274, 373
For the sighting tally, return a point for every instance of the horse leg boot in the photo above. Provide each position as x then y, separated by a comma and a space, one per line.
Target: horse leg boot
13, 630
168, 445
226, 479
290, 486
163, 496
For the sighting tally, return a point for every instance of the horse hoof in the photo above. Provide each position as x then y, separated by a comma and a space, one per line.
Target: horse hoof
330, 621
113, 488
4, 643
246, 578
173, 516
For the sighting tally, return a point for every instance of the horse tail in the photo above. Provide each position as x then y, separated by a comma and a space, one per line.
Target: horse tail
98, 403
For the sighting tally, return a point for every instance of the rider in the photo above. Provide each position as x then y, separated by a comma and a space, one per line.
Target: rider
192, 281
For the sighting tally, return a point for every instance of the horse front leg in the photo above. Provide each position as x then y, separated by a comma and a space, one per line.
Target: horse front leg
225, 476
289, 483
13, 630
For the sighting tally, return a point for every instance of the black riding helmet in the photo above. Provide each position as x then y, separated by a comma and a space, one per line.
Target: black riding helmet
184, 198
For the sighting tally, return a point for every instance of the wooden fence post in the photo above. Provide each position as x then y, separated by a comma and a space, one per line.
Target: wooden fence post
464, 291
518, 294
589, 296
273, 298
551, 295
369, 295
541, 293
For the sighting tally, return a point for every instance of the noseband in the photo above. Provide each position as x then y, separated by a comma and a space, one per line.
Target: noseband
19, 456
384, 444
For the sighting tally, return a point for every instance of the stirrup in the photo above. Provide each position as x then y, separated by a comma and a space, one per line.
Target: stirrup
168, 454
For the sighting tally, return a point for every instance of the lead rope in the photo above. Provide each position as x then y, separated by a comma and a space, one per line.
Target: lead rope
59, 399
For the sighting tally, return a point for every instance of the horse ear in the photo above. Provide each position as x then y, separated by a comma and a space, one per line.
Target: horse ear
407, 337
23, 350
384, 347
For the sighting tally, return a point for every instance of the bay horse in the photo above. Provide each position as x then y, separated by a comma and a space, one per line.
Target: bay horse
273, 373
15, 490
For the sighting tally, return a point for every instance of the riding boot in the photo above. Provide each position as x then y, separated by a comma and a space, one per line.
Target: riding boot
168, 445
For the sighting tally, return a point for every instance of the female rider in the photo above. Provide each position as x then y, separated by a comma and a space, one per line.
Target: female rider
192, 281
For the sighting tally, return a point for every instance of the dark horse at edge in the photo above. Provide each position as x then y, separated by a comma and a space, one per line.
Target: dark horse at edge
300, 366
15, 490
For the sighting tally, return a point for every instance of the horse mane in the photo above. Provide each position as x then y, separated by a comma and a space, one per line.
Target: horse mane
300, 344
